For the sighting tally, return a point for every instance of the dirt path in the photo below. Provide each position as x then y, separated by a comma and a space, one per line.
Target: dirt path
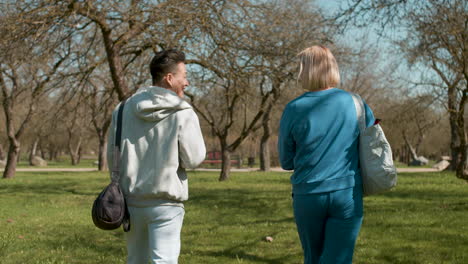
416, 170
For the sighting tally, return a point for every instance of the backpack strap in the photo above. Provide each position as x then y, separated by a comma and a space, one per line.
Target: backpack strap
359, 104
115, 174
118, 133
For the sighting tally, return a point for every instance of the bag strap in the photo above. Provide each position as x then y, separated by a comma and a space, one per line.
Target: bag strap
359, 104
115, 174
118, 133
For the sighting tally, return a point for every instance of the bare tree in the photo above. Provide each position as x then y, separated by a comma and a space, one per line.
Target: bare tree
101, 102
413, 119
436, 39
128, 29
53, 137
30, 67
128, 32
15, 89
75, 138
247, 58
32, 151
227, 75
220, 108
276, 46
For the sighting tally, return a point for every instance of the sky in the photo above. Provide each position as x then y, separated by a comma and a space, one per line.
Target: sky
352, 35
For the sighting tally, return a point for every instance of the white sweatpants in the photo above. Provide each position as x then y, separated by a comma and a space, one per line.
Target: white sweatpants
154, 234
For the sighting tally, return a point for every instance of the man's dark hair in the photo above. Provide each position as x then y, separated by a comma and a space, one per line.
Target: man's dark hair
165, 62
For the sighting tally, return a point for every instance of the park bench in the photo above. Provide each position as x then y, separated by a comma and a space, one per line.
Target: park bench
215, 157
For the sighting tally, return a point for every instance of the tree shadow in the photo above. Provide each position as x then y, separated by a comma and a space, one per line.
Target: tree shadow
422, 194
236, 252
84, 238
234, 203
57, 186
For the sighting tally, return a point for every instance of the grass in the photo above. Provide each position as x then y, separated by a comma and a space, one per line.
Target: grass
404, 165
45, 218
62, 162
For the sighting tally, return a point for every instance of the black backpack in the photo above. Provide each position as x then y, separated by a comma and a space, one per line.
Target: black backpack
110, 208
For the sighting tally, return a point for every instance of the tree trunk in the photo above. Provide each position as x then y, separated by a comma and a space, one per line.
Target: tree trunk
454, 146
265, 162
51, 151
115, 64
43, 153
461, 166
75, 153
2, 153
102, 136
102, 166
33, 151
12, 159
79, 154
55, 154
18, 157
411, 149
225, 161
73, 158
265, 158
461, 171
454, 136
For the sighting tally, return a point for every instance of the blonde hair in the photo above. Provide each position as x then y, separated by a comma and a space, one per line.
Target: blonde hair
318, 69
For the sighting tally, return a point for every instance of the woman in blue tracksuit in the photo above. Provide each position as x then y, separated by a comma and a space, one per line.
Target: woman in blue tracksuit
318, 139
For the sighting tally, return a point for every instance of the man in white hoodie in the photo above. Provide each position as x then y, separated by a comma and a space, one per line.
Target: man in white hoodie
161, 137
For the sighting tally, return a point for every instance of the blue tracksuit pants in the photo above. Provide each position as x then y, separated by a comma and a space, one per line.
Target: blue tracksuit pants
328, 224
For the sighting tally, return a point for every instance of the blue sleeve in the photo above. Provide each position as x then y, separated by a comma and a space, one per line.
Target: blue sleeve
286, 143
370, 119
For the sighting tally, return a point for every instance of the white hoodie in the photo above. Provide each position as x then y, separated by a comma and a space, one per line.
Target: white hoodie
161, 136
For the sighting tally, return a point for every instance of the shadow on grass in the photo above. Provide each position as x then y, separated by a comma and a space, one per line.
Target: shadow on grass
49, 189
440, 241
422, 194
44, 183
239, 204
237, 253
84, 238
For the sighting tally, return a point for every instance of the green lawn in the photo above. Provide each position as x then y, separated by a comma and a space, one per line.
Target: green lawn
45, 218
404, 165
62, 162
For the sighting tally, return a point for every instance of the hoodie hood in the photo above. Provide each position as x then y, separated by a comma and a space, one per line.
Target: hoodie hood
156, 103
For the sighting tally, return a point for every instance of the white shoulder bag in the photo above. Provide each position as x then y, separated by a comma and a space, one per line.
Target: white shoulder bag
375, 155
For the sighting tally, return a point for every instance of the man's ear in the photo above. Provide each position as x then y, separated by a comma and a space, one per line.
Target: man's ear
169, 78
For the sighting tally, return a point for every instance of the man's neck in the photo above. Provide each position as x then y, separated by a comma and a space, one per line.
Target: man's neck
162, 85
